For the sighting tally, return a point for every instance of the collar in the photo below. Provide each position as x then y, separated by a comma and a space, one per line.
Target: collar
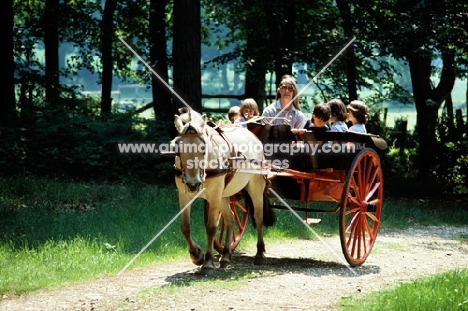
278, 106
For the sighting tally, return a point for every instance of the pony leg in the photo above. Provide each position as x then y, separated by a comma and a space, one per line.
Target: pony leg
196, 254
260, 255
211, 228
229, 225
255, 189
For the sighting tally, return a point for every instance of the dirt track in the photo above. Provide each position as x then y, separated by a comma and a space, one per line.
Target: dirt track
299, 275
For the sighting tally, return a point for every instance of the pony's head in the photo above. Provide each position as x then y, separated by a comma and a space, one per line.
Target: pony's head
189, 117
192, 145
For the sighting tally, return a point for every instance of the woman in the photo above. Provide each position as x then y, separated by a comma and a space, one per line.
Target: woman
285, 110
358, 113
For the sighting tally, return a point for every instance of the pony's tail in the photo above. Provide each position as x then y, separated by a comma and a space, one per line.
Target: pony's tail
269, 217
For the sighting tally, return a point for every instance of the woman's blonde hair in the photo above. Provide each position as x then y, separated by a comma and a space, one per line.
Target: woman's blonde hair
289, 80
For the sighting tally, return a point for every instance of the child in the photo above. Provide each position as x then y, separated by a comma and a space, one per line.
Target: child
320, 117
247, 111
358, 113
338, 116
318, 122
233, 114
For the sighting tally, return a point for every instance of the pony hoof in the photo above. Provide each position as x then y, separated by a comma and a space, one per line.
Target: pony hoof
224, 264
197, 258
199, 262
259, 261
206, 271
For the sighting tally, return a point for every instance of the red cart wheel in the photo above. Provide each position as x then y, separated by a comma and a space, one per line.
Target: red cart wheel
241, 216
361, 205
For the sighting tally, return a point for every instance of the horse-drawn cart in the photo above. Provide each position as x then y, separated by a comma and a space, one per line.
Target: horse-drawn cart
325, 166
238, 170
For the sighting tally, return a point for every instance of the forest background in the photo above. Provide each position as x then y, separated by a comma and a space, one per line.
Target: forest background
67, 79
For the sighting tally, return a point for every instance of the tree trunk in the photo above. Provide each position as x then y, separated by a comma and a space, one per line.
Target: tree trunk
420, 70
288, 34
7, 63
162, 104
345, 12
51, 47
255, 82
273, 21
256, 48
106, 58
281, 19
428, 102
186, 52
450, 115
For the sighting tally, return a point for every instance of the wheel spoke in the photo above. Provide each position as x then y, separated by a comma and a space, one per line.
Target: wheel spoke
352, 223
371, 193
369, 230
372, 216
355, 237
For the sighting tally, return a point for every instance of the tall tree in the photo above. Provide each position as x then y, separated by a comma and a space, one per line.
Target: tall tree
186, 52
419, 32
162, 104
107, 40
351, 72
51, 47
256, 52
7, 87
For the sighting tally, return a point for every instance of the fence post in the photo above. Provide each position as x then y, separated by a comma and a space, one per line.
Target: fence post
459, 119
404, 125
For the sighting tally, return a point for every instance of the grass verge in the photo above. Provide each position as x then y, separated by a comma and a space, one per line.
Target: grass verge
53, 233
447, 291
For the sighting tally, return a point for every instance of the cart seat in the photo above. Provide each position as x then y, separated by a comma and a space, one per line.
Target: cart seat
278, 143
320, 150
365, 140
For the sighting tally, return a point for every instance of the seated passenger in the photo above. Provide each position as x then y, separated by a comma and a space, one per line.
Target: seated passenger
338, 116
358, 113
247, 111
286, 109
233, 114
318, 122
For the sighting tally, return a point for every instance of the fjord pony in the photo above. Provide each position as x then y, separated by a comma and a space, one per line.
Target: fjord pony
208, 158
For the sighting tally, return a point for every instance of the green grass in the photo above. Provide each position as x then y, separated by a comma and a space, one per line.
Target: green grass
53, 233
447, 291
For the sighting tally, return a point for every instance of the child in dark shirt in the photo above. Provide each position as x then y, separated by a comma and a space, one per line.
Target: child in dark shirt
318, 122
319, 119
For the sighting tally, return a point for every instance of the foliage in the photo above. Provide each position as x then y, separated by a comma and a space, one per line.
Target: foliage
75, 143
451, 150
448, 173
71, 141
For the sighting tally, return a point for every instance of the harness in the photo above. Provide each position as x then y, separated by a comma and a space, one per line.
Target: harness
229, 171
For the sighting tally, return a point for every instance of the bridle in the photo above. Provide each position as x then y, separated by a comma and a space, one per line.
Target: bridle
206, 135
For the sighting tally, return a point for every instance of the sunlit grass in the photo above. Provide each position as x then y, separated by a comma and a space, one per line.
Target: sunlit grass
447, 291
53, 233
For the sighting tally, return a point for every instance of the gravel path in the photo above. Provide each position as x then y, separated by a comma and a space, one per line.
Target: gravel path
299, 275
